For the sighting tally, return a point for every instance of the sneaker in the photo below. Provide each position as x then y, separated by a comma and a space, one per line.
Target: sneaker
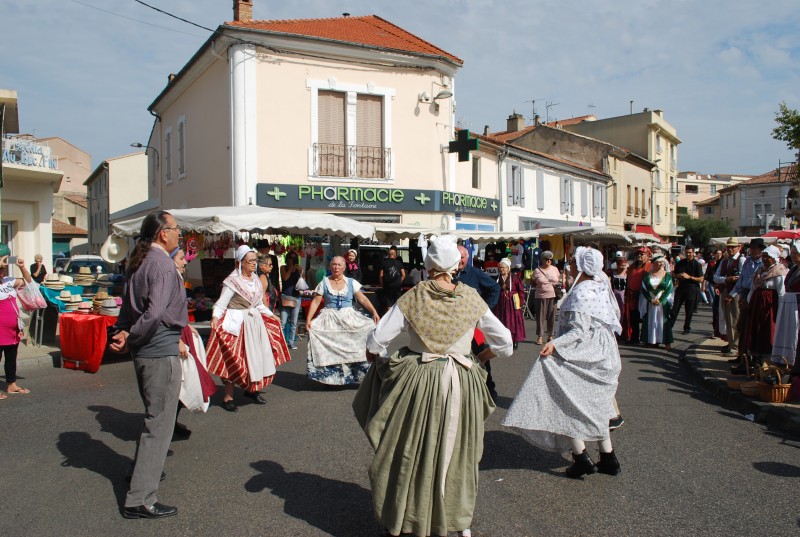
293, 347
615, 423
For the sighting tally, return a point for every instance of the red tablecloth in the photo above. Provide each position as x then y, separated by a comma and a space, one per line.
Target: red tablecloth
83, 340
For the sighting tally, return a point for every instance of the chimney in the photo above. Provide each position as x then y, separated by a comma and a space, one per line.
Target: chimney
242, 10
537, 119
486, 130
515, 122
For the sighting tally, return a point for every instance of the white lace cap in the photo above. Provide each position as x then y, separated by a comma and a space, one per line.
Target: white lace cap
443, 254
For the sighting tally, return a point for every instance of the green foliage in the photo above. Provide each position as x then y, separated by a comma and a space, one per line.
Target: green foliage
788, 129
701, 231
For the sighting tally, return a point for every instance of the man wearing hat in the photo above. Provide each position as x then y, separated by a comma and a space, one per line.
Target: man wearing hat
636, 273
742, 288
726, 277
688, 276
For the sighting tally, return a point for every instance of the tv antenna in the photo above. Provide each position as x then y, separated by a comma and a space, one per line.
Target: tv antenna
533, 106
548, 106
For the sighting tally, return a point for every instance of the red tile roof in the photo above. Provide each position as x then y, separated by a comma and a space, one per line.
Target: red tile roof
77, 199
778, 175
571, 121
370, 30
62, 228
507, 136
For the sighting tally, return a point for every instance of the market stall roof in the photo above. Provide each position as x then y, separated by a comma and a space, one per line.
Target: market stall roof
253, 218
744, 241
493, 236
601, 234
390, 232
791, 234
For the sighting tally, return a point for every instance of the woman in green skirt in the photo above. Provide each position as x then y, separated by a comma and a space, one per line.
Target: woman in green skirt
423, 408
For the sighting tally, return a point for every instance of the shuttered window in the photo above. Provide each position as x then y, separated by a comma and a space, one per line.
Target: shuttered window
369, 121
515, 187
584, 200
331, 117
540, 190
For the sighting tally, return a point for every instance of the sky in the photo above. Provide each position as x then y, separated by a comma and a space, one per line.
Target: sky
86, 70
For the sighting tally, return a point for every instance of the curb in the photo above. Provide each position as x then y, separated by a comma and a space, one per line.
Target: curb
773, 416
35, 362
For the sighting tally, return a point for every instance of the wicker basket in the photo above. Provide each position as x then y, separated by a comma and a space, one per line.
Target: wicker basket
735, 381
750, 389
774, 393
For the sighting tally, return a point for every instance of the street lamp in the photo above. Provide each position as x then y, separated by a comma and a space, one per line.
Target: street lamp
146, 147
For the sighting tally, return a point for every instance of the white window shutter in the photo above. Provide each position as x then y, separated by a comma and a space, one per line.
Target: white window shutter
540, 190
521, 186
564, 201
584, 199
510, 185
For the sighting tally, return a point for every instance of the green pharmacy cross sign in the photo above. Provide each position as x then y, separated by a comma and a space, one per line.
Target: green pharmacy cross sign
463, 145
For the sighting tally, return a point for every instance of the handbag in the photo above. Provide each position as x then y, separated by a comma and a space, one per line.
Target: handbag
517, 302
557, 287
301, 284
31, 297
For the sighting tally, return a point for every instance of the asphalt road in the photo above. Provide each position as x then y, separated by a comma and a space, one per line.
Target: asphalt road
298, 465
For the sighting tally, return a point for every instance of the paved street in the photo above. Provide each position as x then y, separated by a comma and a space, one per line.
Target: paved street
298, 466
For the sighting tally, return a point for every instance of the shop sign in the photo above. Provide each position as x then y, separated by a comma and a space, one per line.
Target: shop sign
28, 153
338, 198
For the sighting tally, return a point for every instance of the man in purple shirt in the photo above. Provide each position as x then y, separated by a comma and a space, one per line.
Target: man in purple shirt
151, 319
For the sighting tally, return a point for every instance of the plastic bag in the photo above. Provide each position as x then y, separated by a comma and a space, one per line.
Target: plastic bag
30, 297
301, 285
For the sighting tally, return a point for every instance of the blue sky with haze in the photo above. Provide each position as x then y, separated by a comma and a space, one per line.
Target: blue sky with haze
718, 69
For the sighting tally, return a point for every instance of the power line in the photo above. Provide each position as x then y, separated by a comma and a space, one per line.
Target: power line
174, 16
134, 20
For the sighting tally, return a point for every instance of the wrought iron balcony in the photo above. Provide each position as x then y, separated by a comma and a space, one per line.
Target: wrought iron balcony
333, 160
630, 210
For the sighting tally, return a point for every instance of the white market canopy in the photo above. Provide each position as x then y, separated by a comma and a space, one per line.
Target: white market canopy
216, 220
743, 241
387, 233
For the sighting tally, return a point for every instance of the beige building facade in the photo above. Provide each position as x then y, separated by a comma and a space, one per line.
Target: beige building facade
694, 187
115, 185
648, 134
626, 207
334, 122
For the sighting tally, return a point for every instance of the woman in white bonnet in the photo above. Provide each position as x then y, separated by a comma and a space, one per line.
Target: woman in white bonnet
567, 398
423, 408
784, 342
762, 304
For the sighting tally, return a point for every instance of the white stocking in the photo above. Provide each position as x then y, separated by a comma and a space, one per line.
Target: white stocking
605, 445
577, 446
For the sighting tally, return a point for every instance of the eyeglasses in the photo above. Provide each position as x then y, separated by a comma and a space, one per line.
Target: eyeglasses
249, 261
176, 228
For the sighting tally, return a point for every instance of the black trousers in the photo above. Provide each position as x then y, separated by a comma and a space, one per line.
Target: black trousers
9, 352
685, 296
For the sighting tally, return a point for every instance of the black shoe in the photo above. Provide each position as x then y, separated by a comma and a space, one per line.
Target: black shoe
493, 394
130, 476
738, 370
608, 464
583, 466
157, 510
734, 360
615, 423
170, 453
181, 432
725, 349
230, 406
516, 345
686, 331
256, 397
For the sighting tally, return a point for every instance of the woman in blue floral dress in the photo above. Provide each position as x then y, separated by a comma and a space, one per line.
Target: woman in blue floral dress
338, 337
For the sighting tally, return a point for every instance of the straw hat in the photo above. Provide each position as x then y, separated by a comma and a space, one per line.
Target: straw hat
109, 303
76, 298
65, 295
733, 241
66, 279
84, 270
101, 295
114, 250
51, 278
84, 307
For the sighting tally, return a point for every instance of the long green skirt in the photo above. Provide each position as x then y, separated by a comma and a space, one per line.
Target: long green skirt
399, 406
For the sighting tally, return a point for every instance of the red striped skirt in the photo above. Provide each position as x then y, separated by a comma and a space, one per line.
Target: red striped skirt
225, 355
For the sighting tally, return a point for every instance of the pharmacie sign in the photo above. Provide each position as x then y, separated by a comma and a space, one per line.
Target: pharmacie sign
372, 199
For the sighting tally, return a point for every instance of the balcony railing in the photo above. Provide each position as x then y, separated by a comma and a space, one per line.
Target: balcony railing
645, 212
333, 160
630, 210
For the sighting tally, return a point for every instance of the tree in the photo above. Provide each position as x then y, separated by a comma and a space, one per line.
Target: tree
701, 231
788, 129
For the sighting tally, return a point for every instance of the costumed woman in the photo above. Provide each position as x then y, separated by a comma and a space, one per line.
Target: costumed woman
512, 297
338, 337
10, 328
423, 408
619, 282
655, 303
762, 304
567, 399
787, 323
245, 347
197, 386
